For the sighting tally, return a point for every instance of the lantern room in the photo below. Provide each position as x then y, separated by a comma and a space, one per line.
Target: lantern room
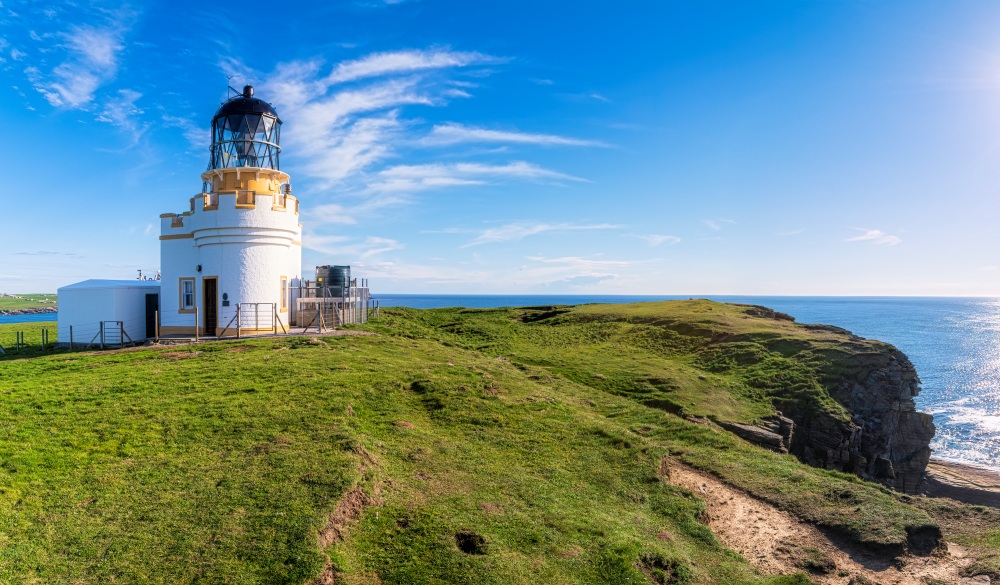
245, 133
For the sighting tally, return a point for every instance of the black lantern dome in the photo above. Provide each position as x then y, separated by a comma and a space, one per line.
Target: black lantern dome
245, 133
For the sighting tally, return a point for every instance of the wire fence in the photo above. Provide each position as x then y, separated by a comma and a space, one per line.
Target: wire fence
322, 312
26, 339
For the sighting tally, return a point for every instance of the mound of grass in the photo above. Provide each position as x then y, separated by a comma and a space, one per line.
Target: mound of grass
494, 446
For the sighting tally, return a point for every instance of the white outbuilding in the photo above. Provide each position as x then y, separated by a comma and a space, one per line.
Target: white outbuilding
114, 312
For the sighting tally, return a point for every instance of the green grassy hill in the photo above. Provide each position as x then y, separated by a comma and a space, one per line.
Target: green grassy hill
450, 446
33, 301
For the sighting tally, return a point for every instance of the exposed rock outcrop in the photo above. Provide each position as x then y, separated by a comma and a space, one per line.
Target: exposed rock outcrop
774, 433
882, 438
887, 440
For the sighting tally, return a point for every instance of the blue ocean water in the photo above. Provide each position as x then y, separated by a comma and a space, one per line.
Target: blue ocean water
953, 342
28, 318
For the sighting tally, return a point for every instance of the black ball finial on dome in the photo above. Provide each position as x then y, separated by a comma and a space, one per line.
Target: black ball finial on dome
245, 133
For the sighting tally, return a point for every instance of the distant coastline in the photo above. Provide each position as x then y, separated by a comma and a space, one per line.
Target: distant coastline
31, 311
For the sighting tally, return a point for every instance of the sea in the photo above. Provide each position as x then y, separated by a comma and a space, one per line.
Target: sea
28, 318
954, 343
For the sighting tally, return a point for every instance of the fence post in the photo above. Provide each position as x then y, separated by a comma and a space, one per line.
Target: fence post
71, 338
196, 320
238, 318
121, 333
156, 326
102, 334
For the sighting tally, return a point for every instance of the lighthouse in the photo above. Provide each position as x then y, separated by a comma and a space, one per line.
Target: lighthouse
232, 259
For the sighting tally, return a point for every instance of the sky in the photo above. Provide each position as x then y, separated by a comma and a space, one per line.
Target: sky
797, 147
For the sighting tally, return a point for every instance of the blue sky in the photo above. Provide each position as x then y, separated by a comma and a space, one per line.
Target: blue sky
674, 147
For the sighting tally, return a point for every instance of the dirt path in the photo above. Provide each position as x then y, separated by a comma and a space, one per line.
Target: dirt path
778, 543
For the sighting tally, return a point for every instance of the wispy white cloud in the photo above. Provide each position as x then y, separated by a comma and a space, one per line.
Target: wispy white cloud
655, 240
579, 262
791, 232
343, 247
446, 134
343, 131
396, 62
426, 274
351, 121
519, 231
414, 178
47, 253
716, 224
454, 92
91, 61
122, 112
197, 136
332, 213
875, 237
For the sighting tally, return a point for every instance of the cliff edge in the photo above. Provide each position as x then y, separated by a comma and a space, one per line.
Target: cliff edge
833, 399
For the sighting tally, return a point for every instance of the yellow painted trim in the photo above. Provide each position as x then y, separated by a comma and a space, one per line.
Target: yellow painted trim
296, 243
166, 215
206, 201
177, 237
180, 294
245, 193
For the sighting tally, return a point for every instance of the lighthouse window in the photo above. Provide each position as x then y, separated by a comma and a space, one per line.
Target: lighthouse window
284, 293
187, 293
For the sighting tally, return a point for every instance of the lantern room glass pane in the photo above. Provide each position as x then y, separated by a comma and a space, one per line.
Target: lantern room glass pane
268, 124
245, 140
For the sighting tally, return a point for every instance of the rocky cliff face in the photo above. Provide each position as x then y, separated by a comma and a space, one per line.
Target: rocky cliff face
887, 440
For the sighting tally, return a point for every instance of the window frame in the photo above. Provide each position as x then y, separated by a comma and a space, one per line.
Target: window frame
181, 306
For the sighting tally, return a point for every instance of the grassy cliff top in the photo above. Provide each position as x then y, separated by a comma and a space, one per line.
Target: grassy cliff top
32, 301
452, 446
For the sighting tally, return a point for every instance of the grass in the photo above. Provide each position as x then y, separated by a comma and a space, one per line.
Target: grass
525, 434
28, 301
32, 338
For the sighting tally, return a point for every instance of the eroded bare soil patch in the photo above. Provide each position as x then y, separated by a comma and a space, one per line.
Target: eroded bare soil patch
776, 542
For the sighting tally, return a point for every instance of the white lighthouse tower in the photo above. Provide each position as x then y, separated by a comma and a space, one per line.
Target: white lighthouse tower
239, 246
